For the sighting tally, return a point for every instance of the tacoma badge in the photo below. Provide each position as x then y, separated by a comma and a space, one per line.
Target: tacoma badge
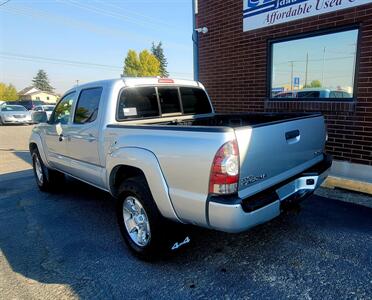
250, 179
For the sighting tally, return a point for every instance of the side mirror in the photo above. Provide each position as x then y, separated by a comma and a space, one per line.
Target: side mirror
39, 117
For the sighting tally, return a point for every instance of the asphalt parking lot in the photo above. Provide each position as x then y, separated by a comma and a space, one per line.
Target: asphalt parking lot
67, 245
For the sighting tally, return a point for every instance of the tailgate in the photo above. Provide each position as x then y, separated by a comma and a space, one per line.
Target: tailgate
274, 152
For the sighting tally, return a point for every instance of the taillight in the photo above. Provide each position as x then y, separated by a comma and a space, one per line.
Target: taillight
225, 170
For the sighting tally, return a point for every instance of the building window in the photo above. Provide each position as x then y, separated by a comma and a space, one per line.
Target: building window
319, 67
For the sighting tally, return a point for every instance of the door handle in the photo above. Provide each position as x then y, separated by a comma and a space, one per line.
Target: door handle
292, 134
91, 138
61, 137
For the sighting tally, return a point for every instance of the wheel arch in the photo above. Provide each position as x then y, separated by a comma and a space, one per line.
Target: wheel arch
120, 173
130, 162
36, 143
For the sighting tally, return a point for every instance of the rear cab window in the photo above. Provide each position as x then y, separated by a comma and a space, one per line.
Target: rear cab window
138, 103
155, 102
195, 101
169, 100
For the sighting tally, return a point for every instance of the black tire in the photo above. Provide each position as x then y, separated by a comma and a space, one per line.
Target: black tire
159, 242
51, 179
1, 122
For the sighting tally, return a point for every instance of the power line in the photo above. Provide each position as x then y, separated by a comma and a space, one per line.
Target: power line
5, 2
304, 60
137, 14
65, 62
41, 15
98, 11
114, 14
61, 61
73, 23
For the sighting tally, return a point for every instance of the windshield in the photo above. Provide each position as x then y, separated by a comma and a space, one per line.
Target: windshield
14, 108
49, 108
308, 94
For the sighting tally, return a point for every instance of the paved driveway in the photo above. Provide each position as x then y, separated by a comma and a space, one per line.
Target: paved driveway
67, 245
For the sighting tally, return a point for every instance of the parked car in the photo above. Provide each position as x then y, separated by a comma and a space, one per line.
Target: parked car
160, 149
322, 93
47, 108
29, 104
314, 93
289, 94
14, 114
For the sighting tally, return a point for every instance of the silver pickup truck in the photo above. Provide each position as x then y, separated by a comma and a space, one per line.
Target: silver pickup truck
157, 146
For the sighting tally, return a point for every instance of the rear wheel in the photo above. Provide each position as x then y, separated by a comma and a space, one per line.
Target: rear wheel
145, 231
46, 179
136, 221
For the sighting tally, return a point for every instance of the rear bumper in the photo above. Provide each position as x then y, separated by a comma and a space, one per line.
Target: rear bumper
233, 214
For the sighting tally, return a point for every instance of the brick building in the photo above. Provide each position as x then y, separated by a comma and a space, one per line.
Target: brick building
247, 65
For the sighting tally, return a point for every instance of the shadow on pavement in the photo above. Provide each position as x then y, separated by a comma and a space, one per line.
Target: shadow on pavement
22, 154
71, 237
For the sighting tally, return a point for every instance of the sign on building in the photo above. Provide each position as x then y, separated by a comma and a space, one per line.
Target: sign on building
264, 13
296, 82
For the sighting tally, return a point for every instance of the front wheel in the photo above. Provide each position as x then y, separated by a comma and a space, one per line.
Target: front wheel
47, 180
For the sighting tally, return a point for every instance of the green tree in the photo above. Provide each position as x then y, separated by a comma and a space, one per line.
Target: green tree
41, 81
3, 87
158, 51
150, 66
131, 64
144, 64
8, 92
314, 84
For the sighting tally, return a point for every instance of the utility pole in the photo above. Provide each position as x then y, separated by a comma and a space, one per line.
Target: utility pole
324, 55
354, 65
77, 82
292, 63
307, 68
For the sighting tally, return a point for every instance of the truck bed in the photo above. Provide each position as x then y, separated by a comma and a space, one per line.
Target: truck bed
272, 146
237, 120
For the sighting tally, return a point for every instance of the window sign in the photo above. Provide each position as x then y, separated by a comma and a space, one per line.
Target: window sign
296, 82
264, 13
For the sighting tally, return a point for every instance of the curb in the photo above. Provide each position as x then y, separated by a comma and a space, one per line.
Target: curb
354, 185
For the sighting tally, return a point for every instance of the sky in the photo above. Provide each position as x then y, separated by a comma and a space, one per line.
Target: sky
337, 49
87, 40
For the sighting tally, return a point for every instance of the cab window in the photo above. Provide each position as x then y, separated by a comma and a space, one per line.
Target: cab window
169, 100
87, 105
194, 101
135, 103
62, 111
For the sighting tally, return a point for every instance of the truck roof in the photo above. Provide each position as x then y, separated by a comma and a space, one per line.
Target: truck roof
137, 81
140, 81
